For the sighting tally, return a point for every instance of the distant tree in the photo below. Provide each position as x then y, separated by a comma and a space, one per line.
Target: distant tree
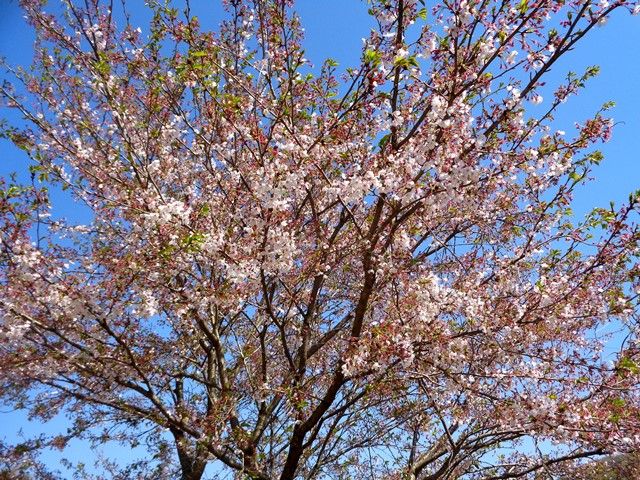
291, 273
615, 467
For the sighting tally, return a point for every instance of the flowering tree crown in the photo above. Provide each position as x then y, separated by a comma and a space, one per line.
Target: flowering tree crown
291, 272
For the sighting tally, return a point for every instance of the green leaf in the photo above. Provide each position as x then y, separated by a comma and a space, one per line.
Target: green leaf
629, 365
618, 402
595, 157
372, 57
167, 252
205, 209
592, 71
575, 176
384, 140
193, 243
405, 62
102, 65
523, 6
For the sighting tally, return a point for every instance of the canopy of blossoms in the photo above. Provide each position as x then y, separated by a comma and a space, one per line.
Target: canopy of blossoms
291, 270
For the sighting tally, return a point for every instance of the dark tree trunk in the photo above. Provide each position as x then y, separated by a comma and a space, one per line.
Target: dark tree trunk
192, 469
193, 460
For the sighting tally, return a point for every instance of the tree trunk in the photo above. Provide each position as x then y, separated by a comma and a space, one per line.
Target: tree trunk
193, 469
192, 460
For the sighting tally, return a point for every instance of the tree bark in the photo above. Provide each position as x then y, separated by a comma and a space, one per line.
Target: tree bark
192, 460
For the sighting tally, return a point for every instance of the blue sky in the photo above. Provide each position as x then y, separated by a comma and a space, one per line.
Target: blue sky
334, 28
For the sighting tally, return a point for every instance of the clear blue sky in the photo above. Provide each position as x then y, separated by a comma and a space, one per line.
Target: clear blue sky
334, 28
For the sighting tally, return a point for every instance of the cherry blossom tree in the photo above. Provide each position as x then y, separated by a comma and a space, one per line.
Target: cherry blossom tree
293, 271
